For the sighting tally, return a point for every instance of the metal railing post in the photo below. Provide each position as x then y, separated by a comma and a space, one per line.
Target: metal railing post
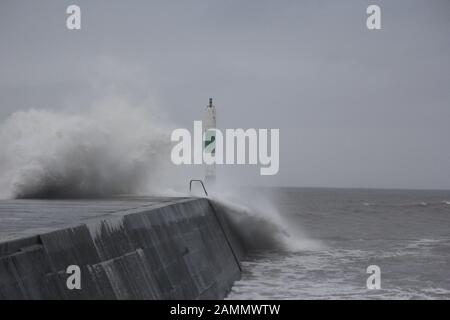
201, 182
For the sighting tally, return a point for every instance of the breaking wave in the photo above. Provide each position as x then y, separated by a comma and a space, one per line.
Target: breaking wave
260, 226
113, 148
108, 149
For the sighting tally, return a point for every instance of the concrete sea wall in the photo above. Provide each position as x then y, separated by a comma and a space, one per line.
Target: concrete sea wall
182, 250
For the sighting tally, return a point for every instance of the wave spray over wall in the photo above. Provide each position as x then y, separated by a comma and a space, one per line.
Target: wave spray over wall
108, 149
260, 225
113, 148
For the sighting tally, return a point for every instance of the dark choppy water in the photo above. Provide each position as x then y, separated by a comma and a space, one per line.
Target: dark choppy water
406, 233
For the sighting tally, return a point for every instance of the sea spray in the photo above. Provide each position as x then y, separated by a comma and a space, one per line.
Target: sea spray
259, 224
108, 149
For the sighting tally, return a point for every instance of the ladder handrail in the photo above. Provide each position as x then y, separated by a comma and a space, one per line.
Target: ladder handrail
197, 180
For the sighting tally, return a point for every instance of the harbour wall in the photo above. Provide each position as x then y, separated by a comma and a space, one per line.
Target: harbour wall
182, 250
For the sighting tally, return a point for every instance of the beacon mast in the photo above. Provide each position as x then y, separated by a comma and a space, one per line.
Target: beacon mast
210, 140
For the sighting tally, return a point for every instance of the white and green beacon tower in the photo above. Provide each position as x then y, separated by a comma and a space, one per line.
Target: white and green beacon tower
209, 137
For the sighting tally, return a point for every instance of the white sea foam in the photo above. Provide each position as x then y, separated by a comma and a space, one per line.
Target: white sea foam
108, 149
260, 224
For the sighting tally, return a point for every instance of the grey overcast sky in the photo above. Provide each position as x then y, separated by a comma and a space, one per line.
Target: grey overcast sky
355, 108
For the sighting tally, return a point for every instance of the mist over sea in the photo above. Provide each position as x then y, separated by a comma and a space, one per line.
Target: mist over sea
405, 232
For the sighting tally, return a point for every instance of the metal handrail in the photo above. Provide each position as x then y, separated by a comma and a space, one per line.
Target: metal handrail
196, 180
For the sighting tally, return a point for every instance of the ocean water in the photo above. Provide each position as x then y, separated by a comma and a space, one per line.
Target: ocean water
406, 233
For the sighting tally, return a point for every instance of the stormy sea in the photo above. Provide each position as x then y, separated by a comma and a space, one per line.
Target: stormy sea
406, 233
